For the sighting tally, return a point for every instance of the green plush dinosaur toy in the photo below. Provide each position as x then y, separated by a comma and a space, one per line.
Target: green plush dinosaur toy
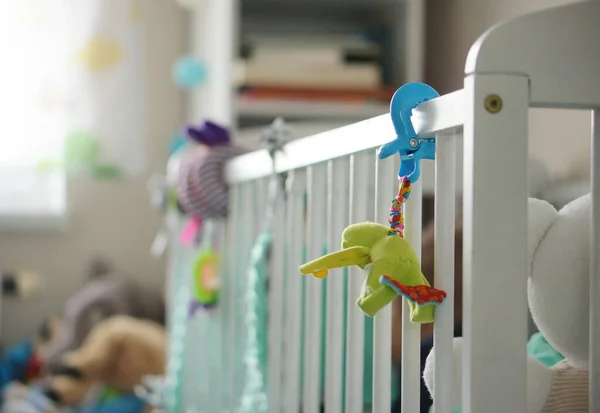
391, 268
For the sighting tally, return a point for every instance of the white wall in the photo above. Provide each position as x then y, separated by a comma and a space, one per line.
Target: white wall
111, 219
558, 138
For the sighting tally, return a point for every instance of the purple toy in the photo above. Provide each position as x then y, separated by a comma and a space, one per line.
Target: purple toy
209, 134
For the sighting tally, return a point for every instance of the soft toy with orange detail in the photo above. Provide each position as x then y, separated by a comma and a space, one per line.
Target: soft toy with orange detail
391, 268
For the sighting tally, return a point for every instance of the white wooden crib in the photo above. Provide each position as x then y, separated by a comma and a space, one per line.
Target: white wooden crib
523, 63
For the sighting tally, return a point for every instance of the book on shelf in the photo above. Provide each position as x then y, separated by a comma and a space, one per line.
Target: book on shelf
312, 57
380, 95
313, 51
347, 41
289, 74
309, 61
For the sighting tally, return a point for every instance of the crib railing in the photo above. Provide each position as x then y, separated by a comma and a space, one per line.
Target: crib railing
317, 347
344, 182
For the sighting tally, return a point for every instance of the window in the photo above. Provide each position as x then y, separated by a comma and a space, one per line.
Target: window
33, 107
72, 98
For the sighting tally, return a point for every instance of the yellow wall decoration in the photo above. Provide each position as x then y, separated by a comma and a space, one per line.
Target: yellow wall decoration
99, 54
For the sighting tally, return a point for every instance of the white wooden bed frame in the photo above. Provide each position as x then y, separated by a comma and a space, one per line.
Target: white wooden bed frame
523, 63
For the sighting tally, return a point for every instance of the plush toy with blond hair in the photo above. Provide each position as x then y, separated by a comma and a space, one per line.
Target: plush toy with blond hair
118, 353
101, 375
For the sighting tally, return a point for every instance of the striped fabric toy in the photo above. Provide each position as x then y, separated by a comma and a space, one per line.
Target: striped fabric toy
202, 190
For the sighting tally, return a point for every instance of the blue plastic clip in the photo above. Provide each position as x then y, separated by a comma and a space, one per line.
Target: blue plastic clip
410, 147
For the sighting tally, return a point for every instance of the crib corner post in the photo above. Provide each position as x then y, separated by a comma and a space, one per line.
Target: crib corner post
495, 243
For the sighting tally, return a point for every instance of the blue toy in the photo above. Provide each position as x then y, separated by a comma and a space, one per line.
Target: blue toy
16, 364
411, 147
189, 72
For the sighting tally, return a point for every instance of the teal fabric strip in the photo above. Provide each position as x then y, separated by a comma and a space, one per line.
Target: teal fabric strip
254, 395
177, 335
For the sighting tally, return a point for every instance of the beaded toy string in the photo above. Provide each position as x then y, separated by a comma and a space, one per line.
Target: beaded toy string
396, 219
254, 393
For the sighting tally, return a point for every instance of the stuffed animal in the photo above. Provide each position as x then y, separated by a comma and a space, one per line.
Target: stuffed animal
99, 377
391, 269
105, 294
119, 352
558, 292
202, 190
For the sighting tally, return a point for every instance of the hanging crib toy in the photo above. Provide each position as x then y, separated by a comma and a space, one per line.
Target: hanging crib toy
202, 190
205, 279
389, 262
203, 194
254, 394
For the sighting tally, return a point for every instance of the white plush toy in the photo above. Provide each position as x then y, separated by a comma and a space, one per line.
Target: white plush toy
558, 293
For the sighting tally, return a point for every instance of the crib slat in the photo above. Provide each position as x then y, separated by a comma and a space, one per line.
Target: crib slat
207, 323
187, 328
276, 291
595, 269
199, 361
293, 305
411, 333
355, 331
260, 186
223, 237
445, 201
317, 193
228, 302
337, 217
243, 234
198, 327
386, 188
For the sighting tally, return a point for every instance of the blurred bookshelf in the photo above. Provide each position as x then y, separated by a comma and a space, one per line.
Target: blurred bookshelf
324, 59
